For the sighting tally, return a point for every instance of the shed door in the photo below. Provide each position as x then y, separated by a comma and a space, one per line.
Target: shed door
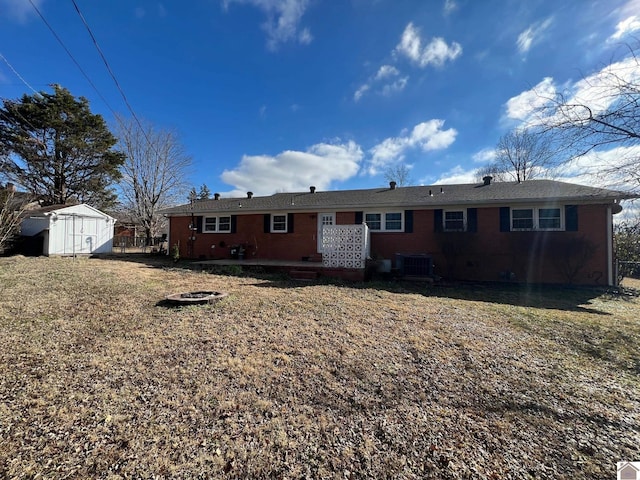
324, 219
80, 235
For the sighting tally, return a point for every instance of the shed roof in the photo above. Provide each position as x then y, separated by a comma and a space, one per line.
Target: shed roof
428, 197
77, 209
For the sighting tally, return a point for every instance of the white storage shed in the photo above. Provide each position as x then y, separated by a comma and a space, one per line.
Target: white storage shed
70, 229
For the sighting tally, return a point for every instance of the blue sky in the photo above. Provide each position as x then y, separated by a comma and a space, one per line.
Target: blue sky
277, 95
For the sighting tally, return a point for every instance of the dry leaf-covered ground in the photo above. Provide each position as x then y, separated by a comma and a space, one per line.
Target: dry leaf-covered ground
99, 378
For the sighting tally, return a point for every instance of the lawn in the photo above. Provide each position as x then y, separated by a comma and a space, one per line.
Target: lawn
100, 378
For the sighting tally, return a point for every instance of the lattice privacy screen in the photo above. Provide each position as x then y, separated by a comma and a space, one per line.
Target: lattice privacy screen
345, 246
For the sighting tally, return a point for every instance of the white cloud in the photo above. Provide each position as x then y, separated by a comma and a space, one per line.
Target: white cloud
426, 136
384, 80
19, 10
485, 155
361, 91
436, 52
291, 171
614, 168
393, 87
386, 71
283, 20
524, 105
598, 91
457, 175
532, 35
450, 6
625, 27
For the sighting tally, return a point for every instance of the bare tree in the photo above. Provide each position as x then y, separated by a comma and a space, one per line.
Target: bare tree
601, 112
153, 175
399, 173
12, 205
521, 155
490, 170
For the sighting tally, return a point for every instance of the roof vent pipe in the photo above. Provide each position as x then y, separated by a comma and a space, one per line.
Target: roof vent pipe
312, 189
216, 196
487, 179
441, 190
392, 185
249, 194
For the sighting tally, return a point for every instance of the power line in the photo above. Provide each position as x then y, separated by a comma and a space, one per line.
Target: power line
17, 74
17, 113
4, 100
115, 80
57, 37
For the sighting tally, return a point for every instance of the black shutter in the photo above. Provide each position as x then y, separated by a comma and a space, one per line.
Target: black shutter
267, 223
571, 218
437, 220
359, 216
472, 220
408, 221
505, 219
199, 224
234, 223
290, 223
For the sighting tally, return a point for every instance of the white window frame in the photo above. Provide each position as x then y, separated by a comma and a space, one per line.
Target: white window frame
536, 219
273, 222
383, 220
216, 228
464, 220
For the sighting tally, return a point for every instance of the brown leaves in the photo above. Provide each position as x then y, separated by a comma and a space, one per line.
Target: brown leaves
321, 381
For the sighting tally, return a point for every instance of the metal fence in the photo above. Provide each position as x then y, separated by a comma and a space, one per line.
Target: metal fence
629, 269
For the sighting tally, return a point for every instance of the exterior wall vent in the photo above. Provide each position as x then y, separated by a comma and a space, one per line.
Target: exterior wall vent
414, 264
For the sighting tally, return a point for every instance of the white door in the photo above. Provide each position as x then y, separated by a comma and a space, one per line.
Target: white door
324, 219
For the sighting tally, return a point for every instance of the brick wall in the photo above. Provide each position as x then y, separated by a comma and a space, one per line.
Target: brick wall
486, 255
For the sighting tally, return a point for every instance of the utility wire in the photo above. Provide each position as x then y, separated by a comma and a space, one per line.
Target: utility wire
17, 74
57, 37
17, 113
5, 101
115, 80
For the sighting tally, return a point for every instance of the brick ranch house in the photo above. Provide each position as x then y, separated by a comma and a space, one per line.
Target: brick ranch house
538, 231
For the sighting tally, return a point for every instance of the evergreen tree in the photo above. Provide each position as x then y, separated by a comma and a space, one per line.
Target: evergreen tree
204, 193
58, 150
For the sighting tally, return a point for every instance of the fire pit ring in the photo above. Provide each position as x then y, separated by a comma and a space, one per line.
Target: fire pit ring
191, 298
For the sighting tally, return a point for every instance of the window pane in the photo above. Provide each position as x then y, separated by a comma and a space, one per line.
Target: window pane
393, 221
373, 221
279, 223
549, 218
224, 225
454, 220
522, 219
210, 224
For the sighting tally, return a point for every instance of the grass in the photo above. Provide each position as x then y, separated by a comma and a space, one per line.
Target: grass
99, 378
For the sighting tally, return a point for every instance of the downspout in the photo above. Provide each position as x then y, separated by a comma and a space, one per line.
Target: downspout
610, 276
169, 237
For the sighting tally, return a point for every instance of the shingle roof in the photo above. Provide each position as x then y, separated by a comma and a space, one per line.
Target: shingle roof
435, 196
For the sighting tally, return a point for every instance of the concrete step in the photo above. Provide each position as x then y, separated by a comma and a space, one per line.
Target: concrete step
307, 275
